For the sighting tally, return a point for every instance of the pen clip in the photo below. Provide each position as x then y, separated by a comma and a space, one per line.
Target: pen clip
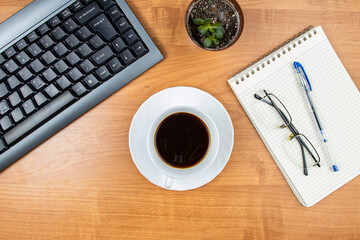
300, 69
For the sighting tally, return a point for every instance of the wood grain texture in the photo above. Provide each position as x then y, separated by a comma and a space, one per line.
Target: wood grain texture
82, 183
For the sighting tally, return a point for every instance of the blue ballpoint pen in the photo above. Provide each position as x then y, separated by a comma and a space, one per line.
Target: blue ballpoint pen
307, 88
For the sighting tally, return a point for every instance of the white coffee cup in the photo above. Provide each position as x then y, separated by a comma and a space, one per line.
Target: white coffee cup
173, 173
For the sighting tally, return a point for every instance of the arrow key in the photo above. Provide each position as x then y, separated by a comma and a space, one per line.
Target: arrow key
127, 57
139, 49
115, 65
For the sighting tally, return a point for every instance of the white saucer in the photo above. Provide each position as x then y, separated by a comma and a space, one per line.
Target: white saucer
168, 98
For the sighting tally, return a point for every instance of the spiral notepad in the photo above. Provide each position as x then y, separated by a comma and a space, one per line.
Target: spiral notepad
338, 105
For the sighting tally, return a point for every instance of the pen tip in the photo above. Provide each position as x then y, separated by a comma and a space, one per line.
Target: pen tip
335, 168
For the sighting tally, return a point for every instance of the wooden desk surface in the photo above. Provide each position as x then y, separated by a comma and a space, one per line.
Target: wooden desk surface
83, 184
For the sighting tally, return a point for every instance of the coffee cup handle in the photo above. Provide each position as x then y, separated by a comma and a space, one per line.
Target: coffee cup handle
168, 181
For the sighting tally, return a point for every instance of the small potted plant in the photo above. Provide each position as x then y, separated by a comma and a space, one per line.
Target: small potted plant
214, 24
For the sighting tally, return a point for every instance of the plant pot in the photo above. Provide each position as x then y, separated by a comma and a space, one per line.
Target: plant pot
227, 12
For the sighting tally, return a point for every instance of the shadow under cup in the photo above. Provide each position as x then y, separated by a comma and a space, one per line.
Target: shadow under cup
181, 171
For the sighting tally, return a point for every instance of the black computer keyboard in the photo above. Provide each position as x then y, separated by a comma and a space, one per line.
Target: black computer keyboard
64, 65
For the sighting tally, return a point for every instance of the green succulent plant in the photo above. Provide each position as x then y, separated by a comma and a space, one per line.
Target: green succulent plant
211, 32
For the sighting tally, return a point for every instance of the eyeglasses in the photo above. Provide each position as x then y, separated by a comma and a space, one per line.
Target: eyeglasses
281, 118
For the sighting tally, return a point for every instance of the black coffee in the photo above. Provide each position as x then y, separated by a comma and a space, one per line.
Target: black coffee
182, 140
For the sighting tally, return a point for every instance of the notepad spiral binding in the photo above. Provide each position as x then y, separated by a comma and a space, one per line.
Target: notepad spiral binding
246, 74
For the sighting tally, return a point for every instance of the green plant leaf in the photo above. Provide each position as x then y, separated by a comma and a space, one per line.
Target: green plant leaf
218, 26
208, 20
211, 29
218, 34
203, 29
215, 41
207, 42
198, 21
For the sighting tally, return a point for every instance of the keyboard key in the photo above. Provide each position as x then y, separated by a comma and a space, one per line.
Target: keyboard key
73, 58
14, 99
34, 50
127, 57
46, 42
51, 91
13, 82
6, 123
37, 66
17, 115
96, 42
87, 13
77, 6
61, 66
10, 52
139, 49
11, 66
3, 90
25, 74
103, 73
115, 65
2, 146
2, 59
65, 13
21, 44
40, 99
32, 36
54, 21
87, 66
4, 107
91, 81
70, 25
49, 75
130, 37
58, 33
106, 3
43, 29
48, 57
122, 25
63, 83
84, 33
37, 83
26, 91
119, 45
22, 58
114, 13
39, 117
2, 74
79, 89
102, 55
75, 74
84, 50
102, 25
28, 107
61, 50
72, 41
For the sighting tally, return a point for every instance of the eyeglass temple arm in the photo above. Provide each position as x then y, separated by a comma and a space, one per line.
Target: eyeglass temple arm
281, 113
304, 160
317, 162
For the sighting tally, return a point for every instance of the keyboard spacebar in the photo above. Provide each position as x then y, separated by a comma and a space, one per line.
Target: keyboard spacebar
39, 117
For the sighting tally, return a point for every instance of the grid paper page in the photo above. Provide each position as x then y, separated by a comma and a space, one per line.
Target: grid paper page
338, 105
